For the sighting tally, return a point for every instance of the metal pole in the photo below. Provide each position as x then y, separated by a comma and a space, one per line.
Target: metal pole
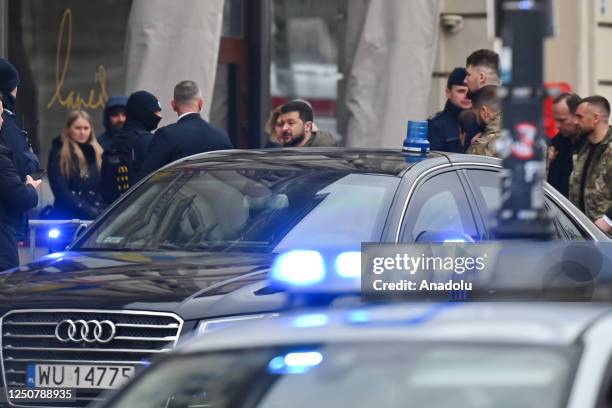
4, 28
32, 242
523, 27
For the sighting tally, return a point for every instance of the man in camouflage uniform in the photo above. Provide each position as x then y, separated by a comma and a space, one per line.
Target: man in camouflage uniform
487, 108
591, 179
482, 69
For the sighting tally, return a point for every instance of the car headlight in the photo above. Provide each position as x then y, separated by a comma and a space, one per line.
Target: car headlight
207, 326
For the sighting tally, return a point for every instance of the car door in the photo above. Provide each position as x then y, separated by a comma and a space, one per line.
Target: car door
484, 184
439, 204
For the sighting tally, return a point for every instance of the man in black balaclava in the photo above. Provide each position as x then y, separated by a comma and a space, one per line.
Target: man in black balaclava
127, 151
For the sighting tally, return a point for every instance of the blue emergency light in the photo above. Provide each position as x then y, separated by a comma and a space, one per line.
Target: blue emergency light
309, 270
310, 320
295, 362
54, 233
299, 268
348, 264
416, 138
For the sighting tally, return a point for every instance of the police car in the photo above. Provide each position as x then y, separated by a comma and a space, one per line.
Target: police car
190, 246
427, 354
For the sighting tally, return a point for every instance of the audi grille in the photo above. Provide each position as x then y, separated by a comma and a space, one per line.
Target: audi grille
64, 336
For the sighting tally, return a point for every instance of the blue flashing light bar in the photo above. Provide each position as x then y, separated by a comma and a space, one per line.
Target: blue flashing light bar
358, 316
311, 320
299, 268
309, 271
348, 265
295, 362
54, 233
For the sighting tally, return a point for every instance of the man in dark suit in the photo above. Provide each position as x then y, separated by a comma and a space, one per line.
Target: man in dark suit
565, 144
189, 135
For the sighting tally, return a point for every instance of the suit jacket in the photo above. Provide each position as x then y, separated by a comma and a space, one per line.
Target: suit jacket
189, 135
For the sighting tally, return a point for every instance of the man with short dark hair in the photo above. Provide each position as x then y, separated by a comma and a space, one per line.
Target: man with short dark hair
565, 144
482, 68
591, 178
190, 135
443, 127
295, 127
487, 107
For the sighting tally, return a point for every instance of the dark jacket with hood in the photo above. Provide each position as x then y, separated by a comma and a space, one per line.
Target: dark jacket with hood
123, 160
77, 196
15, 198
114, 102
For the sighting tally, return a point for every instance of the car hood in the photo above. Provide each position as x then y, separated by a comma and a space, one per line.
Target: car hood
128, 280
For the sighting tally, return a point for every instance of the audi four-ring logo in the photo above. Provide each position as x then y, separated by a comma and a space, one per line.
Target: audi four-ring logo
89, 331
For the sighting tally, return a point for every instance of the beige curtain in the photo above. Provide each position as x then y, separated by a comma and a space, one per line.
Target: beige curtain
391, 72
170, 41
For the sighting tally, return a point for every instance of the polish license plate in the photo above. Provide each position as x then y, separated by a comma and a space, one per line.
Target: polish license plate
78, 376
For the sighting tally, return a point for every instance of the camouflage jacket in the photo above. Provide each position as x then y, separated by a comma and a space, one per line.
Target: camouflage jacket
598, 183
322, 138
484, 144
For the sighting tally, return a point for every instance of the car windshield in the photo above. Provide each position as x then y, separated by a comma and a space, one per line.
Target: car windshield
254, 210
361, 375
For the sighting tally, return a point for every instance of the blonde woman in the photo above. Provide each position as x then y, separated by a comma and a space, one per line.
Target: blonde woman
74, 169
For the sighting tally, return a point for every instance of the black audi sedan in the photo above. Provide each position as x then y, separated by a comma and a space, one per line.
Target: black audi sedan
187, 250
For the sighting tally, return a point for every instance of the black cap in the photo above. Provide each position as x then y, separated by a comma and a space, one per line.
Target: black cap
141, 107
9, 76
143, 100
456, 77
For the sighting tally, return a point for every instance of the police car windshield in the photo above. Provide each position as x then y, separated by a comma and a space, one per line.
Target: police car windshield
361, 375
253, 210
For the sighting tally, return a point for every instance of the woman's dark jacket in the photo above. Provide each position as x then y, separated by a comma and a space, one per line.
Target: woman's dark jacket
77, 196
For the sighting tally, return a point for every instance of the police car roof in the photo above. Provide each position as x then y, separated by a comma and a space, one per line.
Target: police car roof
363, 160
509, 323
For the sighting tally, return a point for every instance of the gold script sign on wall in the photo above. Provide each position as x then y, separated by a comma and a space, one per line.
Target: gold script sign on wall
71, 99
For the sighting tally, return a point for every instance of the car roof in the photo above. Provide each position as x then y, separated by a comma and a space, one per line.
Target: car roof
363, 160
552, 324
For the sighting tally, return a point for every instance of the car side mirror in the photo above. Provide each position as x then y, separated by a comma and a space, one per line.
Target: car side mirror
443, 236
